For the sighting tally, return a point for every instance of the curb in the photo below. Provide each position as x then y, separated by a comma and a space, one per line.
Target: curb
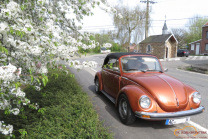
191, 72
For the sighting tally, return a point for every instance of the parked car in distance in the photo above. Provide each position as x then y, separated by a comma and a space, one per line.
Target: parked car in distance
182, 52
103, 50
137, 85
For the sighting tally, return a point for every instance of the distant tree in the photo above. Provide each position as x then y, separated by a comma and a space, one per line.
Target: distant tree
132, 22
179, 33
103, 38
194, 31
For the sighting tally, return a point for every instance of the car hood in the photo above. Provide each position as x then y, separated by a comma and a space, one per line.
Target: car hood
169, 93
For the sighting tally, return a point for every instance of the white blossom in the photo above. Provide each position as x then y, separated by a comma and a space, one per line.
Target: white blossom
7, 72
34, 41
107, 45
15, 111
6, 130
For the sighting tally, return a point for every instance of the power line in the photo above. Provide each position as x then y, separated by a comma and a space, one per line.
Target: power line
181, 18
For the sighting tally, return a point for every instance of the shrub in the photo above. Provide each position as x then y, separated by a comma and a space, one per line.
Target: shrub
66, 112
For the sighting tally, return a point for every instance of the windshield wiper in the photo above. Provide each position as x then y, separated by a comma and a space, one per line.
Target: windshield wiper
143, 71
153, 70
132, 70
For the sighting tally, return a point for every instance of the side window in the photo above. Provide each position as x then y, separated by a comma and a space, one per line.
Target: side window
206, 47
207, 34
112, 64
192, 46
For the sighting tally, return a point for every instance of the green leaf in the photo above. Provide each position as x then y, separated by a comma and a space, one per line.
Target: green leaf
23, 132
42, 110
72, 75
11, 31
41, 19
7, 111
22, 7
32, 78
55, 43
3, 50
29, 29
18, 84
38, 80
7, 13
44, 81
55, 75
50, 35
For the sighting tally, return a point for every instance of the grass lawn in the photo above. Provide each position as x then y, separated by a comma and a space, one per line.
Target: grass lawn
67, 112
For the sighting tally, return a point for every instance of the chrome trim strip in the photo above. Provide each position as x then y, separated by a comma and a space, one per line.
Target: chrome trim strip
130, 80
109, 97
111, 73
164, 116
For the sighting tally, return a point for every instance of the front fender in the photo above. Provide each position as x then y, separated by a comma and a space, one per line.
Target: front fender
190, 91
99, 76
133, 94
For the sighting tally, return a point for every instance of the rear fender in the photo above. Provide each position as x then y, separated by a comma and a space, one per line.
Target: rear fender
99, 76
133, 94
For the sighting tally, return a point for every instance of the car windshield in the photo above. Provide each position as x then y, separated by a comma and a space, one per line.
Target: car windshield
103, 48
140, 63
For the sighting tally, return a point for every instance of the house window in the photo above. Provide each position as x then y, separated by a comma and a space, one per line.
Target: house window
207, 34
206, 47
148, 48
192, 46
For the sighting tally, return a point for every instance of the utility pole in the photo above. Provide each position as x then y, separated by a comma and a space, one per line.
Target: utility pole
147, 16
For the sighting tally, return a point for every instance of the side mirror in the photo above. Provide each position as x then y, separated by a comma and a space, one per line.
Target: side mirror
165, 69
115, 68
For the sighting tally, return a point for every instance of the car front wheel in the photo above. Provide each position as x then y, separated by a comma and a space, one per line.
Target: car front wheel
126, 115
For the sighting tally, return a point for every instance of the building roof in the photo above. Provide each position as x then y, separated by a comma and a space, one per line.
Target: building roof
196, 41
118, 55
165, 26
157, 38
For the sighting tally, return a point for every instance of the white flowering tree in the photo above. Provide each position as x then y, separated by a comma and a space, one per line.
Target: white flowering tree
34, 35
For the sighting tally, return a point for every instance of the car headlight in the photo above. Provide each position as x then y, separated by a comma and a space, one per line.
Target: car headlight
196, 97
144, 102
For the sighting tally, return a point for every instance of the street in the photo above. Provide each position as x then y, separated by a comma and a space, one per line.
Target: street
142, 128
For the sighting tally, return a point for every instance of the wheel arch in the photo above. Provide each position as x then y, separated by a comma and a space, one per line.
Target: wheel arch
133, 94
99, 77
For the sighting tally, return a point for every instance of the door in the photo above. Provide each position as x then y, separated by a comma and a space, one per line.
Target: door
111, 77
197, 48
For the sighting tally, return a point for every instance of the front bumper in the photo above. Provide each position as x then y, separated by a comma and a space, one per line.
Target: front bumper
164, 116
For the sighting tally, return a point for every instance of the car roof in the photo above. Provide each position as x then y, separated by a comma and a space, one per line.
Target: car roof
118, 55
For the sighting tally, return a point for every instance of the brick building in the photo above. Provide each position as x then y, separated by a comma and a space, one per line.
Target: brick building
163, 46
200, 47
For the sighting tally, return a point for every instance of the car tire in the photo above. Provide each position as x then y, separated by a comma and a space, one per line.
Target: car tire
97, 85
125, 112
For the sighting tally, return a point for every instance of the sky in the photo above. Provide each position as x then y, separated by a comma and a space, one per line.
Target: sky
177, 13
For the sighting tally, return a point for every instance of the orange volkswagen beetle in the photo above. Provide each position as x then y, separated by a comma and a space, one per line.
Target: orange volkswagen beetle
137, 85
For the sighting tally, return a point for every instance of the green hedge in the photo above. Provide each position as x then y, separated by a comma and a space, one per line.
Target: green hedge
68, 112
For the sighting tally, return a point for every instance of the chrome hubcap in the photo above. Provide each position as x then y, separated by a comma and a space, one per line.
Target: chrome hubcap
123, 108
96, 85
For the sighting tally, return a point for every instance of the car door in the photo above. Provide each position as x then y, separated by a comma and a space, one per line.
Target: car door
111, 77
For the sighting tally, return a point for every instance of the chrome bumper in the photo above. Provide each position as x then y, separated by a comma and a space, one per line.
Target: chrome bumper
164, 116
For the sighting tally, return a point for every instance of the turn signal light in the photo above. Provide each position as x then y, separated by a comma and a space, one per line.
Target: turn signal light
145, 116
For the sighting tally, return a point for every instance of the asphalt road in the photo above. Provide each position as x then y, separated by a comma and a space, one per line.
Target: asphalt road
142, 128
